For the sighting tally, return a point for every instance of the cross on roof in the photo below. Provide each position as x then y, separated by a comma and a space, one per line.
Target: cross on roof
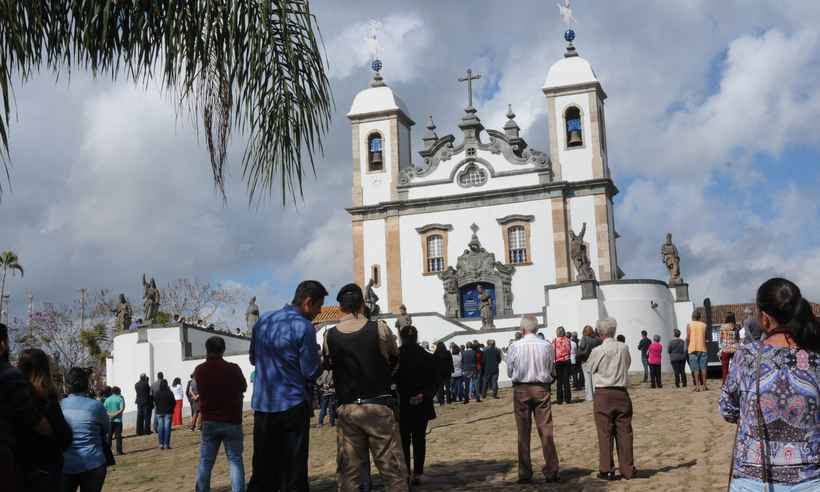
469, 79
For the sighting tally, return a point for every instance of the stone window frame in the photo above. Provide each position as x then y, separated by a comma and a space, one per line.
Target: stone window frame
468, 168
427, 231
370, 135
565, 139
521, 221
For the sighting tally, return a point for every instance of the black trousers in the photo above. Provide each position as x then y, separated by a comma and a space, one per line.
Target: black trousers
679, 367
116, 433
144, 418
413, 429
89, 481
563, 387
280, 450
443, 395
655, 375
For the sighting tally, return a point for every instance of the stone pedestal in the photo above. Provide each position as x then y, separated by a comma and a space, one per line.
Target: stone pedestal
681, 292
589, 289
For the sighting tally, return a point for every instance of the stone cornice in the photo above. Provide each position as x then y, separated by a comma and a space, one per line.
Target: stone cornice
380, 115
575, 89
484, 198
515, 218
434, 227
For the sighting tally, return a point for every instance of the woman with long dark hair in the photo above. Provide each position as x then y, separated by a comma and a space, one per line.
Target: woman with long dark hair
444, 364
164, 403
773, 393
43, 456
416, 380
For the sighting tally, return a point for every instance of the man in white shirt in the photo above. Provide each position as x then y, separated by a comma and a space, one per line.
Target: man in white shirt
531, 366
612, 407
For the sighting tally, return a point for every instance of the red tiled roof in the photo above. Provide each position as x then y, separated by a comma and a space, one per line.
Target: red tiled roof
329, 314
720, 311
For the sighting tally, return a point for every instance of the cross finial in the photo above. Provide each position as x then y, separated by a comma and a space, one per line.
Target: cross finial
469, 79
474, 228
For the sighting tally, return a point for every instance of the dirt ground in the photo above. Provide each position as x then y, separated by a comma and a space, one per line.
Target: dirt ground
681, 443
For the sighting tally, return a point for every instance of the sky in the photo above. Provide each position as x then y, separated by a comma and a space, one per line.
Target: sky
713, 120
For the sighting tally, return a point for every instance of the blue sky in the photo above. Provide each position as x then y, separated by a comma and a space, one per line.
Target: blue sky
110, 180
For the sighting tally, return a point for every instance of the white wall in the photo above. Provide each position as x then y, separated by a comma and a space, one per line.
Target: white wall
423, 293
375, 253
628, 303
576, 162
582, 209
162, 352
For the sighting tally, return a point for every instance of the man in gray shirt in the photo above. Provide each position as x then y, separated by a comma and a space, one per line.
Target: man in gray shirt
612, 407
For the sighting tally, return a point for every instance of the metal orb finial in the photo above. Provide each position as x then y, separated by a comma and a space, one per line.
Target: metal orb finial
569, 35
376, 65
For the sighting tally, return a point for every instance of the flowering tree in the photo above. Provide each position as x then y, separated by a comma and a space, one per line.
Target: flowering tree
195, 299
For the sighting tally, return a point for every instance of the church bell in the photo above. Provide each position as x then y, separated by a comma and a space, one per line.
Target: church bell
574, 138
376, 157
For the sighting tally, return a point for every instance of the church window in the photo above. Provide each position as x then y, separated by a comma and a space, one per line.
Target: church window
515, 229
375, 158
472, 176
517, 240
435, 253
574, 132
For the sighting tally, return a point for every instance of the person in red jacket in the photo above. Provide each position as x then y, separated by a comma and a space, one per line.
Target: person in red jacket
563, 365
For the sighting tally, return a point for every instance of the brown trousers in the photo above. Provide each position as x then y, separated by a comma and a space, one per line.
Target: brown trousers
533, 400
613, 419
360, 431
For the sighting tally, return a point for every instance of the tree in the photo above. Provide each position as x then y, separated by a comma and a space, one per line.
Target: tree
250, 65
195, 299
56, 331
8, 261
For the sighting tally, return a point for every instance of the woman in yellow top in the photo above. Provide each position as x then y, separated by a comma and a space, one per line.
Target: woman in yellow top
728, 342
696, 341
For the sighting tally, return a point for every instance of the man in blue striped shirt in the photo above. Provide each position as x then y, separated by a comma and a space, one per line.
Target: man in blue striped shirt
287, 360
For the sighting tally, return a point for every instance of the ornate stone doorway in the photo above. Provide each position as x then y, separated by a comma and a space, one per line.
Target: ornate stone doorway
477, 266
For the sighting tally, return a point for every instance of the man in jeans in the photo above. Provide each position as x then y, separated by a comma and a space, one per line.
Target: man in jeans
530, 366
469, 369
286, 356
221, 386
643, 346
115, 406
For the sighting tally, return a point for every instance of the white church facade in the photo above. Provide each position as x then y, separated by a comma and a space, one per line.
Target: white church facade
536, 231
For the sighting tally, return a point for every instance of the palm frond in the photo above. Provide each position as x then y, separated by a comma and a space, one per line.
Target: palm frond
252, 66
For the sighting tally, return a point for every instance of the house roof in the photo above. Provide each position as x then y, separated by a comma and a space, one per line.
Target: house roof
329, 314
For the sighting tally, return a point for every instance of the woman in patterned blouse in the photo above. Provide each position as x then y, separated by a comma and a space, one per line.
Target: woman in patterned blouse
772, 393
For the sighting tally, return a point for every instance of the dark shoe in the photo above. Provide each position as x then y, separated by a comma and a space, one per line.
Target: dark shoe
551, 478
523, 480
608, 476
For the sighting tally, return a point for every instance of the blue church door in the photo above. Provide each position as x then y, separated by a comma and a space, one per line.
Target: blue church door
470, 301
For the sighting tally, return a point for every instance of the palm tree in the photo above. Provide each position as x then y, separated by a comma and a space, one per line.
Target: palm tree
250, 65
8, 261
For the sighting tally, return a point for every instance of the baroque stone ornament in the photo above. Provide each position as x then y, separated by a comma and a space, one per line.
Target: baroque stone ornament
124, 314
251, 314
486, 309
477, 265
671, 259
150, 300
371, 300
579, 252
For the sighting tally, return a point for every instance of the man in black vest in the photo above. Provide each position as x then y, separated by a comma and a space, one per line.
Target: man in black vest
144, 405
362, 355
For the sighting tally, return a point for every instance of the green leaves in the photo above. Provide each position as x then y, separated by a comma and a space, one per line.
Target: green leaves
249, 65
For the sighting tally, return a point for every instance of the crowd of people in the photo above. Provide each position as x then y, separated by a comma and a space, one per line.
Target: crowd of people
380, 393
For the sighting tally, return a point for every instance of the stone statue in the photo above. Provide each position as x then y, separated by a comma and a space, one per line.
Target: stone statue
251, 314
449, 278
579, 253
124, 314
150, 300
403, 319
371, 300
671, 259
486, 308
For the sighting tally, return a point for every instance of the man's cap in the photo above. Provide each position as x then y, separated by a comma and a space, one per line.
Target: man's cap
349, 290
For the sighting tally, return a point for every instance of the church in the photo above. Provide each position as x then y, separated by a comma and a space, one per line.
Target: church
482, 216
